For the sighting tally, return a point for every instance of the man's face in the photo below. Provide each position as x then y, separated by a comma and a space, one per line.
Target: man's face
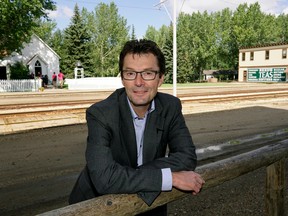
139, 91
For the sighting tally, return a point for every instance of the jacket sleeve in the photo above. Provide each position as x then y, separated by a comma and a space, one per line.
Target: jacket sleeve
181, 155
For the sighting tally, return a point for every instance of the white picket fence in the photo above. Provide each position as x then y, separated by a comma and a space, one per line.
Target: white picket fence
20, 85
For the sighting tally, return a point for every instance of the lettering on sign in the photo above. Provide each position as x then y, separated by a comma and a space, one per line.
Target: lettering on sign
267, 75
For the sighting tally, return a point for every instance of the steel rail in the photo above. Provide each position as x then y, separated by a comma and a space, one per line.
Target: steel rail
76, 106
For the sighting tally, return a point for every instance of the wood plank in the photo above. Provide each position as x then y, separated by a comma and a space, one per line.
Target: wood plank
275, 186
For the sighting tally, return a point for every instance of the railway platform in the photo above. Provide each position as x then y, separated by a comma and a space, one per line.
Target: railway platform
20, 112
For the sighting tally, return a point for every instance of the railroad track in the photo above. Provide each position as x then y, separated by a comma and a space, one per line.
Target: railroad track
186, 98
69, 108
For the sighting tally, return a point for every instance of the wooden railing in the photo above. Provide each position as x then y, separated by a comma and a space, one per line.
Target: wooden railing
272, 156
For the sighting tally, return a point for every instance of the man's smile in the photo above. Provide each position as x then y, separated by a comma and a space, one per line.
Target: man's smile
140, 92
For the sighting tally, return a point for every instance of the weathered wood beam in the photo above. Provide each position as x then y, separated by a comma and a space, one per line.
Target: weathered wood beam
275, 186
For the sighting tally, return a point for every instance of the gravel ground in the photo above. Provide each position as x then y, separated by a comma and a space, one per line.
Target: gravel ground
244, 196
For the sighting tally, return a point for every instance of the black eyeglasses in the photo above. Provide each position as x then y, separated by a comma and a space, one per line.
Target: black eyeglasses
146, 75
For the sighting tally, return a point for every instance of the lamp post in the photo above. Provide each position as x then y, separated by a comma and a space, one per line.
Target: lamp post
174, 21
174, 50
77, 69
78, 64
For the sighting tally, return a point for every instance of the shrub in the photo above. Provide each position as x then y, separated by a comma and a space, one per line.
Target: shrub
19, 71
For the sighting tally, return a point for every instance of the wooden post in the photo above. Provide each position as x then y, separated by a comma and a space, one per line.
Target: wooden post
275, 186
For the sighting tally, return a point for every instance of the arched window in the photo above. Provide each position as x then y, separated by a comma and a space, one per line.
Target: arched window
38, 68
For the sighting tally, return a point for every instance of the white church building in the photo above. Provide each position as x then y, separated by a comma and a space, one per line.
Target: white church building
37, 55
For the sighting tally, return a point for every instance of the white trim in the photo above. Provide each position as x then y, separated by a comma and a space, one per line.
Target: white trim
34, 57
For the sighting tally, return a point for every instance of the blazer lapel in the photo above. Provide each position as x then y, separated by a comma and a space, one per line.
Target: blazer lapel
153, 134
127, 132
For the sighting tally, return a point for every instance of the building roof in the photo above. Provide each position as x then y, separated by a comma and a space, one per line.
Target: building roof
209, 72
218, 72
264, 45
46, 45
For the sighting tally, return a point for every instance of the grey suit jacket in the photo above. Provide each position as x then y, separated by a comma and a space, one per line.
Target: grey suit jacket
111, 153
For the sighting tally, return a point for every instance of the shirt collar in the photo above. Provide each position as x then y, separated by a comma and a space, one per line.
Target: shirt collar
134, 115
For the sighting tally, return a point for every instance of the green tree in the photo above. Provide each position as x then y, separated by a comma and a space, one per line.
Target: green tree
164, 34
77, 46
159, 36
196, 45
151, 33
109, 32
282, 26
251, 27
45, 30
246, 24
17, 20
56, 42
133, 35
168, 53
223, 58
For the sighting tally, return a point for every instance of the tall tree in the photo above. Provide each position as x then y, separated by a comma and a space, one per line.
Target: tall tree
17, 20
159, 36
164, 34
168, 53
247, 24
196, 45
251, 27
151, 33
56, 42
282, 26
133, 35
185, 35
45, 30
77, 46
223, 58
109, 32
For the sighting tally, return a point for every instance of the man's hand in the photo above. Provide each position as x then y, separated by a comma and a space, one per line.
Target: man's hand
187, 181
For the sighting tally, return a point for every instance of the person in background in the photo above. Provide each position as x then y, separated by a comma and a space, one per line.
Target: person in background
61, 79
54, 80
45, 81
31, 76
138, 141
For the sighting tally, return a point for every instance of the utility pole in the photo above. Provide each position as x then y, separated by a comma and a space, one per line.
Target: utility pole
174, 22
174, 49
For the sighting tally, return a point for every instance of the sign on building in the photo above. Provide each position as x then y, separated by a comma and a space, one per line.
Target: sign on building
266, 75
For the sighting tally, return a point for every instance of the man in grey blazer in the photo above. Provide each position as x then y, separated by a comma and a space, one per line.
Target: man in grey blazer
138, 141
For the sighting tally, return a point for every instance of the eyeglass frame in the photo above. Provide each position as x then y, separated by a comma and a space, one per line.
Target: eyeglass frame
141, 73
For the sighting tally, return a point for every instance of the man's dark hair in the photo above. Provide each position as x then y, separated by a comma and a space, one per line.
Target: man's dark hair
142, 46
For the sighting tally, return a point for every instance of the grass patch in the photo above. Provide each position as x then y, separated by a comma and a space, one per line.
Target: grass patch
234, 142
267, 135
